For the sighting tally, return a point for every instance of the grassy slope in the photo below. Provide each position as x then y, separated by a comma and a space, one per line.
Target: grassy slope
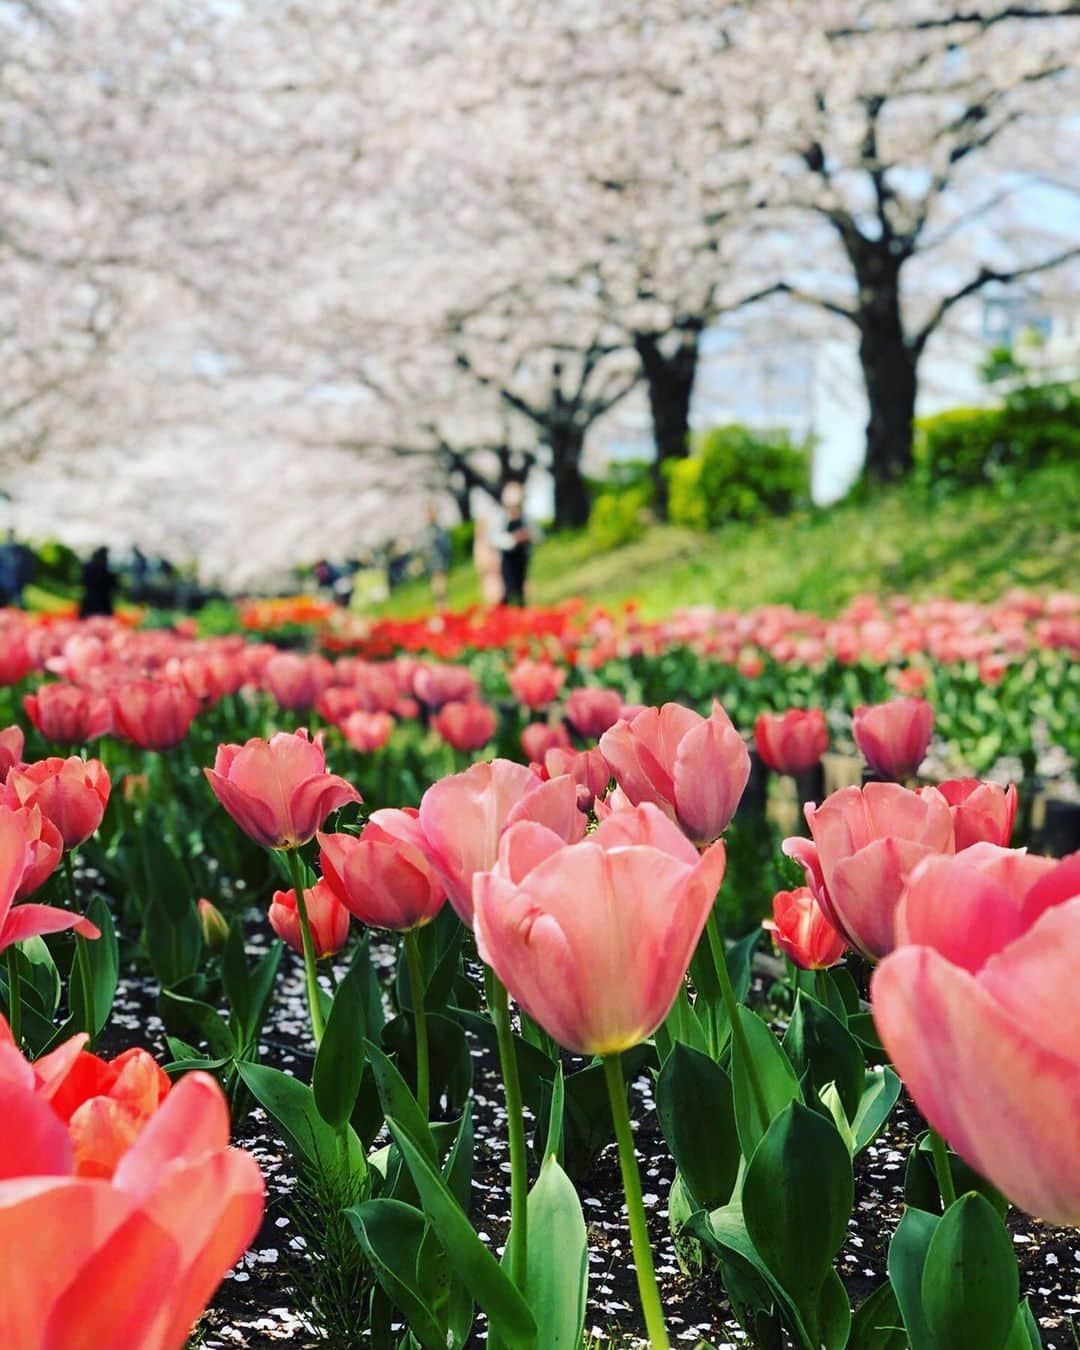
975, 545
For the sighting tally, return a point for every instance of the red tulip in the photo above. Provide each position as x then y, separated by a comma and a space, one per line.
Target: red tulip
367, 731
327, 917
12, 742
536, 683
791, 742
17, 863
278, 791
337, 702
800, 927
540, 737
153, 715
129, 1260
69, 714
893, 736
692, 767
865, 843
72, 793
989, 1045
465, 726
593, 939
980, 811
591, 711
384, 877
463, 817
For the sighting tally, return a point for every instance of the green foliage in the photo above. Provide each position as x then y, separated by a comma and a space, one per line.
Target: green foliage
461, 541
1036, 424
619, 516
736, 473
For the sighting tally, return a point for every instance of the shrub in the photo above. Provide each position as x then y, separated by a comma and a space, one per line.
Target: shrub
620, 516
736, 473
1036, 424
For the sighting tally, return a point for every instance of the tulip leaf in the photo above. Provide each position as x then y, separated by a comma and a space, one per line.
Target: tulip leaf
877, 1324
507, 1310
457, 1170
165, 878
819, 1045
907, 1260
697, 1115
316, 1145
556, 1107
557, 1277
921, 1184
970, 1283
173, 942
103, 958
339, 1061
682, 1024
398, 1101
774, 1074
797, 1198
881, 1089
450, 1059
180, 1011
391, 1235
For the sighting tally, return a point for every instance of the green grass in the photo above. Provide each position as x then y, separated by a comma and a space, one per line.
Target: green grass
971, 546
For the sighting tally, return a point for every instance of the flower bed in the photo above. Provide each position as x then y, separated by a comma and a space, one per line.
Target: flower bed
552, 980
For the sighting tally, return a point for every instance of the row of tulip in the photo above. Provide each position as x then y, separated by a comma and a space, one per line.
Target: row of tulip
594, 908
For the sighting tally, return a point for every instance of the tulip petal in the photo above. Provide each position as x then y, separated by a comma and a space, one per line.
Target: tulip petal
36, 1141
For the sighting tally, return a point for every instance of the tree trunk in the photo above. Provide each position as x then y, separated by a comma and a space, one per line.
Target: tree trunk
889, 365
571, 499
670, 382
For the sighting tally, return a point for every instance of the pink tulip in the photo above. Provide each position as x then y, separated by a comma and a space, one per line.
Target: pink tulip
278, 791
989, 1047
865, 843
72, 793
435, 686
68, 714
384, 877
540, 737
536, 683
19, 921
980, 811
465, 726
367, 731
692, 767
337, 702
800, 928
294, 681
463, 817
791, 742
129, 1260
12, 742
591, 711
893, 736
593, 939
327, 917
46, 849
15, 660
588, 768
153, 715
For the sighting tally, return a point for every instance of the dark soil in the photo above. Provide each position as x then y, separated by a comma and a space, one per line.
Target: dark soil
258, 1303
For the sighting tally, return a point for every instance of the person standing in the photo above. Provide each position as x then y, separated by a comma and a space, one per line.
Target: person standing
514, 542
487, 561
99, 584
437, 556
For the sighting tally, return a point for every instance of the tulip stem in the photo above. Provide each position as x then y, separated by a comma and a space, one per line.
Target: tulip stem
731, 1003
14, 996
314, 1004
82, 954
499, 1005
635, 1209
942, 1170
416, 989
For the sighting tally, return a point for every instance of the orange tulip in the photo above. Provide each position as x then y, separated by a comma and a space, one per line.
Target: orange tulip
327, 917
800, 927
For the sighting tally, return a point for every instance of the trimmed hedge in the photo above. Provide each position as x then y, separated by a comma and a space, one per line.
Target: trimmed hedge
736, 473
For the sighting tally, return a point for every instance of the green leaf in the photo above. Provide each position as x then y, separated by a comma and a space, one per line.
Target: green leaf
173, 942
970, 1283
457, 1171
398, 1101
391, 1235
881, 1088
877, 1324
164, 876
339, 1060
697, 1115
819, 1045
553, 1145
797, 1199
103, 955
40, 975
682, 1024
506, 1309
179, 1011
921, 1184
557, 1277
907, 1260
774, 1073
315, 1144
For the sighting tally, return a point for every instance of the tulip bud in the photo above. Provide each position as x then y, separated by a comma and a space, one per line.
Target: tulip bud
214, 925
